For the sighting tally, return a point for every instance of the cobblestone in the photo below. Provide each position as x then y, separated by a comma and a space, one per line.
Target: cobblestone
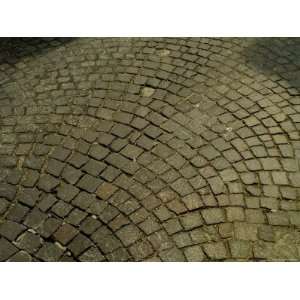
151, 152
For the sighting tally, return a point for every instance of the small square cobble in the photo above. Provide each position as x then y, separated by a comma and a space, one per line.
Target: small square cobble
213, 215
89, 183
65, 234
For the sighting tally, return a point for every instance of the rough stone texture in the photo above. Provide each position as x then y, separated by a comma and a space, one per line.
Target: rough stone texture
149, 149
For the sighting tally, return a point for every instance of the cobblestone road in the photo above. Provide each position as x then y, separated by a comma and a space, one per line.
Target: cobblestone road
157, 149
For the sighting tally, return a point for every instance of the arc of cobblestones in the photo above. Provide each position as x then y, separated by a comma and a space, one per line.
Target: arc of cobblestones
149, 149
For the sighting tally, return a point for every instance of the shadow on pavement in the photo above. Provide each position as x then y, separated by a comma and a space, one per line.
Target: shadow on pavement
276, 56
12, 50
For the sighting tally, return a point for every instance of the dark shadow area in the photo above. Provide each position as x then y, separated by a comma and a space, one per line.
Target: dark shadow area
13, 50
276, 56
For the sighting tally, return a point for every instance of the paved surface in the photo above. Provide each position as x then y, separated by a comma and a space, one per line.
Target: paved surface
149, 149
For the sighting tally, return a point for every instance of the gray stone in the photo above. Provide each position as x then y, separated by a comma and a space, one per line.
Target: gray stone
215, 251
213, 215
240, 249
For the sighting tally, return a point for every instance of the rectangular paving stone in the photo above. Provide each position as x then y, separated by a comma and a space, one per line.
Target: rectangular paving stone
94, 167
226, 230
278, 218
160, 241
216, 185
7, 191
76, 216
240, 249
229, 175
55, 167
77, 160
191, 220
60, 153
172, 255
35, 218
98, 152
182, 239
270, 203
149, 225
182, 187
71, 175
28, 196
295, 217
89, 183
121, 130
255, 216
83, 200
106, 242
47, 228
7, 249
106, 190
65, 234
50, 252
263, 250
145, 142
17, 213
215, 251
122, 163
29, 241
245, 231
89, 225
193, 201
213, 215
61, 208
194, 253
235, 214
131, 151
108, 213
266, 233
141, 250
30, 179
92, 255
79, 244
67, 192
11, 230
270, 164
21, 256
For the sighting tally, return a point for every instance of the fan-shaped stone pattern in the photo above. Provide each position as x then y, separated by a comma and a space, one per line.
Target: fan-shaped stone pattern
158, 149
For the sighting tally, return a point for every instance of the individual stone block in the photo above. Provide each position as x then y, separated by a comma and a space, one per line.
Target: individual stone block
240, 249
244, 231
191, 220
48, 183
213, 215
92, 255
89, 183
79, 244
11, 230
194, 253
172, 255
193, 201
50, 252
229, 175
71, 175
28, 241
129, 234
278, 218
106, 190
65, 234
98, 152
7, 191
215, 251
295, 217
235, 214
7, 249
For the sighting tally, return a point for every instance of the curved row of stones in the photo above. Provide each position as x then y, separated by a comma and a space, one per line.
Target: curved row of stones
148, 150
